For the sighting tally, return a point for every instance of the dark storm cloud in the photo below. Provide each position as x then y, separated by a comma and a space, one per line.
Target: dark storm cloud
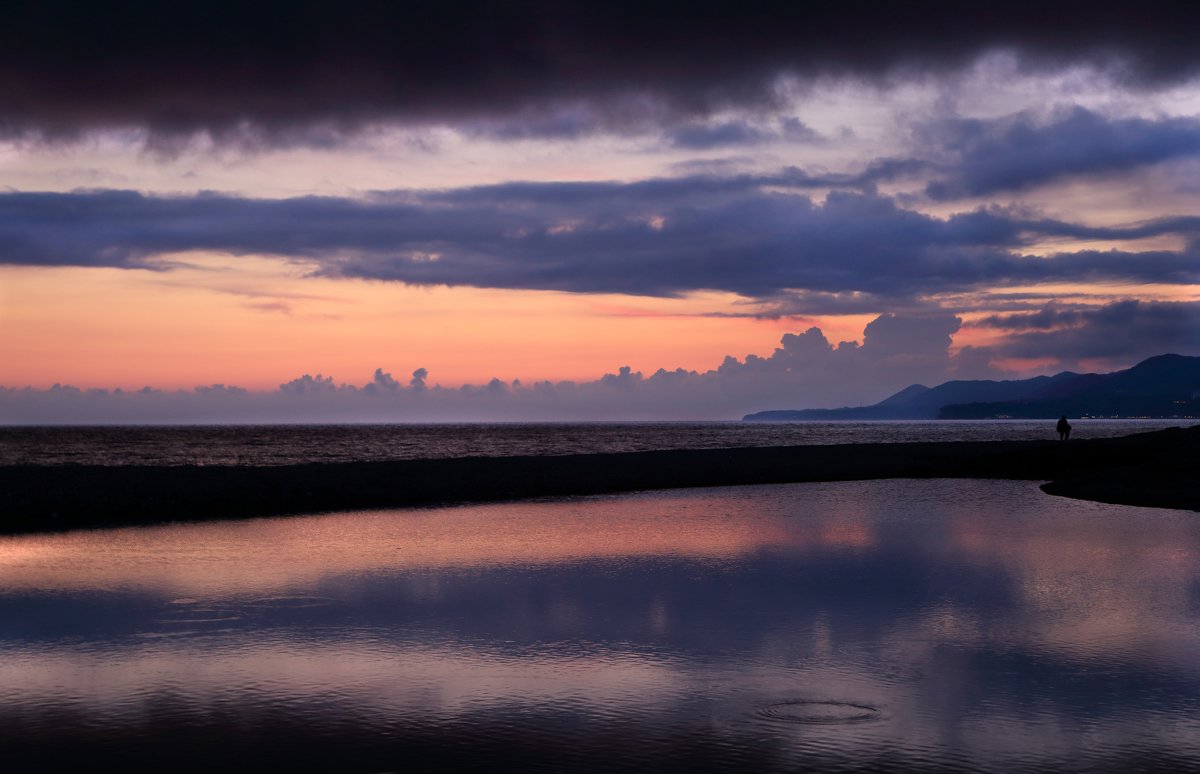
215, 65
1046, 318
657, 237
807, 303
1124, 331
705, 136
1022, 151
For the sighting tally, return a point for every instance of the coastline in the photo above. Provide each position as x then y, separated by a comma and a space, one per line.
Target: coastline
1156, 469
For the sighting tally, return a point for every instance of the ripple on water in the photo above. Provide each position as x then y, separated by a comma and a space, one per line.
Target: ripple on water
198, 615
818, 711
289, 602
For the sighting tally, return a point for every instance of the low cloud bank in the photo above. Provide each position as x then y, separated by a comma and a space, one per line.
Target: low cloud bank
805, 370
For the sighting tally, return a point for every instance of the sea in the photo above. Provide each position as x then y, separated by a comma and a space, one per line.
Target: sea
292, 444
898, 625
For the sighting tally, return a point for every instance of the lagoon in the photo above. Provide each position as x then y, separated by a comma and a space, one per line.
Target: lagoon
934, 624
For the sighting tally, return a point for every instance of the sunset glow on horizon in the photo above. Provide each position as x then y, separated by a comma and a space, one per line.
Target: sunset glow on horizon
790, 221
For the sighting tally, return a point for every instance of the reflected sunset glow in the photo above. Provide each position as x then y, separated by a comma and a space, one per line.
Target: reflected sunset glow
946, 608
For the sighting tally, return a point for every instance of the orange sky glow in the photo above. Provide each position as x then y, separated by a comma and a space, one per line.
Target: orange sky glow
562, 240
267, 323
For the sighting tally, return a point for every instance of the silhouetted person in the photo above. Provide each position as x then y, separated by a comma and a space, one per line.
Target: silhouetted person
1064, 428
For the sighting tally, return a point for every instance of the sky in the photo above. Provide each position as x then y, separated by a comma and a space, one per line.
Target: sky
426, 211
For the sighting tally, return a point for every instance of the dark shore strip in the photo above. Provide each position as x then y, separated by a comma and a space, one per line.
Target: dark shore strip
1155, 469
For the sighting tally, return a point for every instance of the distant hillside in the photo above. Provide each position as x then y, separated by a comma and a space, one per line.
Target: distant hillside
1162, 386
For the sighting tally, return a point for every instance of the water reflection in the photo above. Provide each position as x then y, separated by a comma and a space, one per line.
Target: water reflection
961, 624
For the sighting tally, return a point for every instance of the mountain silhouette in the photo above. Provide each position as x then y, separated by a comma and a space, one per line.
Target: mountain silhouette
1161, 386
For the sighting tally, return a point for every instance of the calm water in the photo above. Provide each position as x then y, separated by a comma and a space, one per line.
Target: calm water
287, 444
941, 625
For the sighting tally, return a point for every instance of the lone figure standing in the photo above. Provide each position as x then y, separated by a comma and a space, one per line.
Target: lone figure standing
1064, 428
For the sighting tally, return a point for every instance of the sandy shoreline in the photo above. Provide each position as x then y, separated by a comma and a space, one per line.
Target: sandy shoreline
1157, 469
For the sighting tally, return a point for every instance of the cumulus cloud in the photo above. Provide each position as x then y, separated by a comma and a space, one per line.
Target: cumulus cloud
382, 383
806, 370
309, 385
306, 72
744, 234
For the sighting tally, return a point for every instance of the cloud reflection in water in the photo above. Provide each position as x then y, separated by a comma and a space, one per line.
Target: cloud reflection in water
985, 625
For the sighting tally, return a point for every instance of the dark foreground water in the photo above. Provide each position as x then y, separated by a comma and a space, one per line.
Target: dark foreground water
290, 444
904, 625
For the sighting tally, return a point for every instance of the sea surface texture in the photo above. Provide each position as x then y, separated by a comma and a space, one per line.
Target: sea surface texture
290, 444
948, 625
